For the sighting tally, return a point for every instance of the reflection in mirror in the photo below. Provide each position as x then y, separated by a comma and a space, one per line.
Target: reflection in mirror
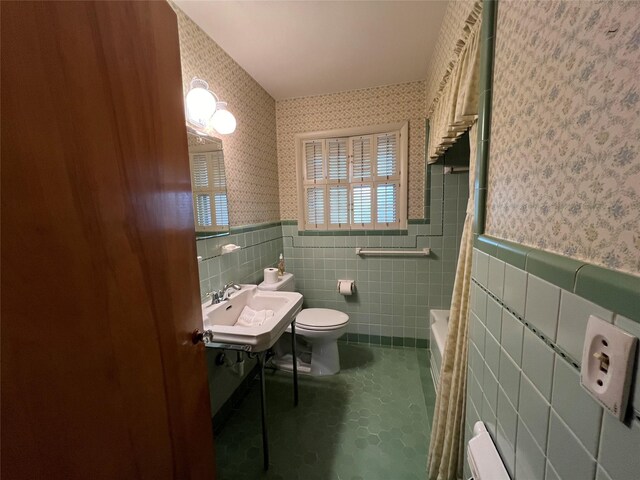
209, 184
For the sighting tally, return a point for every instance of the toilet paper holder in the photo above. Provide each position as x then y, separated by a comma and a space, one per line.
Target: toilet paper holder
346, 287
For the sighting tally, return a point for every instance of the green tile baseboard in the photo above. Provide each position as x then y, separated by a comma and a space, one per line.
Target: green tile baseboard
613, 290
384, 341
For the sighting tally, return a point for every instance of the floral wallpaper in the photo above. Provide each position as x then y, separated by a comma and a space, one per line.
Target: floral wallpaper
250, 152
356, 108
564, 170
444, 54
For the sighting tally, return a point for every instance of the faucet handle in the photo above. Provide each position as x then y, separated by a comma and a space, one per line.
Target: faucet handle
216, 297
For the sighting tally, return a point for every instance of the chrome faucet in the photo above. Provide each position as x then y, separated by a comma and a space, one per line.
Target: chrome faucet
216, 297
228, 290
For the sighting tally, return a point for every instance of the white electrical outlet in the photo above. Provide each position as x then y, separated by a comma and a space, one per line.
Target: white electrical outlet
607, 364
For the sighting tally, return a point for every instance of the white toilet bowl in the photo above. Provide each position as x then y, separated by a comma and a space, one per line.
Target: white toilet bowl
317, 332
321, 328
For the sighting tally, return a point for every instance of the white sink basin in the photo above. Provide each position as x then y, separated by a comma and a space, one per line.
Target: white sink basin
220, 318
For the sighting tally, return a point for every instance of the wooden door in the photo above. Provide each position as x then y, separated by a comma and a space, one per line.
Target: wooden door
99, 272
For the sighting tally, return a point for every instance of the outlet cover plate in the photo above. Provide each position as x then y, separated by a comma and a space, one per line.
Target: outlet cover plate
607, 365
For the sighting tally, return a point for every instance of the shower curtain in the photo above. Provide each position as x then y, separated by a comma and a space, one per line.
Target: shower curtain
455, 113
447, 430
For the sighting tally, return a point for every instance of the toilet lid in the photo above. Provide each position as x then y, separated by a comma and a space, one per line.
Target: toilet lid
321, 318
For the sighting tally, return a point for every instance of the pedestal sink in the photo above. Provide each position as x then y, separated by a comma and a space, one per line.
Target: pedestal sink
220, 318
222, 332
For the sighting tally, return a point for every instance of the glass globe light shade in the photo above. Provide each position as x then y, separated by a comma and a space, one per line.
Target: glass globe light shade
223, 120
201, 106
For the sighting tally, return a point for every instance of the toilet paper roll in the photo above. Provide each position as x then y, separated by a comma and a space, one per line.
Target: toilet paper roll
346, 287
270, 275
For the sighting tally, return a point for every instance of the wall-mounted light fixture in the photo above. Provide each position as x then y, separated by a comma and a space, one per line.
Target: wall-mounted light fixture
205, 113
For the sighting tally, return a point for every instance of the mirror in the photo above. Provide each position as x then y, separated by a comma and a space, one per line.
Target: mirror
209, 185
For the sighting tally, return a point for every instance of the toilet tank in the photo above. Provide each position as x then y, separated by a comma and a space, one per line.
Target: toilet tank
286, 283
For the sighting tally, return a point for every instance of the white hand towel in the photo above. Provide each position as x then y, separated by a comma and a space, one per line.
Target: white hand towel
246, 317
250, 317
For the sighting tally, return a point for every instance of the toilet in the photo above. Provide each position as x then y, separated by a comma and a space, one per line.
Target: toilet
317, 333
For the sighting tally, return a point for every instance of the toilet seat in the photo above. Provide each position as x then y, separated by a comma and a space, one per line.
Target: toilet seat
319, 319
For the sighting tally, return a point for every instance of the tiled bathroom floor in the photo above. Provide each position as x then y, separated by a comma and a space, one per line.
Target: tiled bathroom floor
371, 421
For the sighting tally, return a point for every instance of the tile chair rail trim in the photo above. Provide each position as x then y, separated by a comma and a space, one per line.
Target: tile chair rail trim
610, 289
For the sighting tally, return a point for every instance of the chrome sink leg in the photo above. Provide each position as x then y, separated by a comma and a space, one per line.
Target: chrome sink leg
262, 357
295, 363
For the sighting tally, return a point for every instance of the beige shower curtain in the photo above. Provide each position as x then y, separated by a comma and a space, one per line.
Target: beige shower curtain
456, 112
447, 430
456, 106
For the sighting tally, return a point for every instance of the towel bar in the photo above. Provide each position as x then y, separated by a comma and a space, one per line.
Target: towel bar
424, 252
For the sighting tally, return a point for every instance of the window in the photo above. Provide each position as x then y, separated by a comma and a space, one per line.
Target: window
209, 185
353, 179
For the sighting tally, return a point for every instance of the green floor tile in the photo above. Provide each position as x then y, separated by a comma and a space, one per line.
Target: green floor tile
370, 421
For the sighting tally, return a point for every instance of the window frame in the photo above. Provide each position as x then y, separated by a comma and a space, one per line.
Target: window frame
402, 128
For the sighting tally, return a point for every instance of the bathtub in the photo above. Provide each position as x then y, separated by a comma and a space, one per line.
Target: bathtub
439, 320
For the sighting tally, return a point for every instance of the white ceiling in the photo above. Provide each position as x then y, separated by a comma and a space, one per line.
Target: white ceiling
300, 48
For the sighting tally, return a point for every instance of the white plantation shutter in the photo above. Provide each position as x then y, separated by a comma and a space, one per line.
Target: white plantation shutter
337, 161
338, 206
219, 182
362, 205
314, 179
337, 178
361, 155
387, 155
315, 207
218, 177
222, 210
203, 211
387, 204
354, 182
314, 161
199, 170
209, 184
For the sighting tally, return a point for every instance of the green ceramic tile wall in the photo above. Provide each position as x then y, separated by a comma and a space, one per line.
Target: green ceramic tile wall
260, 249
610, 289
261, 246
394, 294
573, 437
561, 428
